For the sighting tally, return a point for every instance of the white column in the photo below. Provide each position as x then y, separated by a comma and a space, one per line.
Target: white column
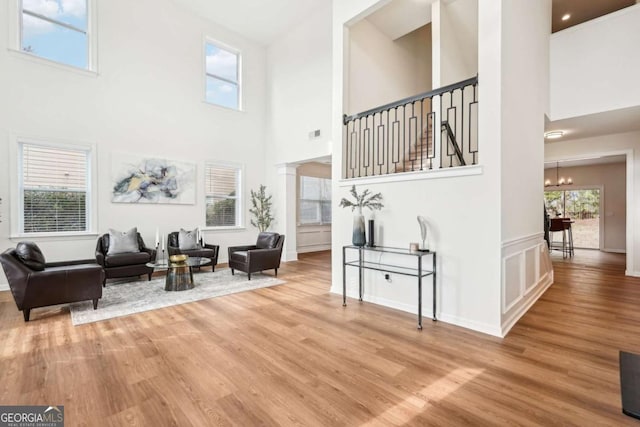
286, 209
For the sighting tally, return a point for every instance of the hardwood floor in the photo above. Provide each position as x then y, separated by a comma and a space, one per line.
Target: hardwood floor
292, 355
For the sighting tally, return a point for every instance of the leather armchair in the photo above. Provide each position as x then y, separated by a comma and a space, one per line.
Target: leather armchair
124, 265
54, 283
264, 255
207, 251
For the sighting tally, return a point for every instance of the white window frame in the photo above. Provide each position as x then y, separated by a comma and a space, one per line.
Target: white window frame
15, 40
238, 53
17, 191
240, 202
300, 200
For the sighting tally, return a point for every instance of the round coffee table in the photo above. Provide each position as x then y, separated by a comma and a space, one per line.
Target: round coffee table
179, 274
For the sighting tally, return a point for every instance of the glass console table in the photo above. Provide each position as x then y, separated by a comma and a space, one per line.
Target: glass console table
362, 264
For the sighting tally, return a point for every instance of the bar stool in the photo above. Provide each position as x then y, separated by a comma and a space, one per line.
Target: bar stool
567, 226
558, 226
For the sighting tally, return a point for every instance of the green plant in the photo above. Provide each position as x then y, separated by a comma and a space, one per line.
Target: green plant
261, 209
364, 200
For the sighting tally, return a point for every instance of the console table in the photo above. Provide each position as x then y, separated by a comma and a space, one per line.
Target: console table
417, 271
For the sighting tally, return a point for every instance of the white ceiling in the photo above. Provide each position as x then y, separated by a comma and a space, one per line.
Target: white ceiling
262, 21
616, 121
401, 17
587, 162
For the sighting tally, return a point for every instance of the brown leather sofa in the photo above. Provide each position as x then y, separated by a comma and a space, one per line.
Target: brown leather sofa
208, 251
264, 255
35, 283
126, 264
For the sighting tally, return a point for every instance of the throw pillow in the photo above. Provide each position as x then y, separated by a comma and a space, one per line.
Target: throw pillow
30, 255
188, 240
121, 242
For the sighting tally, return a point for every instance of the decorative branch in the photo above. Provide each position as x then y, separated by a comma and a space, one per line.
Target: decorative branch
364, 200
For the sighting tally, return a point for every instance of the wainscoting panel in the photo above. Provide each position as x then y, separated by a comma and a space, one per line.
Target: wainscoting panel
526, 274
313, 238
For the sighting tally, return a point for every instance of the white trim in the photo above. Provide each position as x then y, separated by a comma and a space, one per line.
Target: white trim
519, 255
302, 249
240, 202
220, 45
15, 40
426, 315
542, 285
615, 251
225, 228
4, 287
522, 239
15, 182
414, 176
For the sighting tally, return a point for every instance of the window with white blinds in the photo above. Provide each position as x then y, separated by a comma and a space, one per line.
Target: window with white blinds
223, 195
54, 186
315, 200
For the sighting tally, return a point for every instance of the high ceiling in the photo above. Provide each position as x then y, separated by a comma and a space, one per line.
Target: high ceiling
583, 10
262, 21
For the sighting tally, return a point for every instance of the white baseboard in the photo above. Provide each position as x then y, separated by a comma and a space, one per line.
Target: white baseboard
632, 273
615, 251
541, 287
290, 256
426, 313
314, 248
4, 286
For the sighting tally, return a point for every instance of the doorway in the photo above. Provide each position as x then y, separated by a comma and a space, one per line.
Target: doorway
582, 206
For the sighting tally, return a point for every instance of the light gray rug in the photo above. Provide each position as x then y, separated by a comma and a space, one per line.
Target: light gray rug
122, 299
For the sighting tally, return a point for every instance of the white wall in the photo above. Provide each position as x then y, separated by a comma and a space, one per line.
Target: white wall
463, 212
611, 178
147, 98
526, 27
382, 70
595, 65
299, 90
312, 237
298, 102
455, 37
622, 143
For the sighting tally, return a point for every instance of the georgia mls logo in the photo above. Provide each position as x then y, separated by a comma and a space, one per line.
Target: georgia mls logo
32, 416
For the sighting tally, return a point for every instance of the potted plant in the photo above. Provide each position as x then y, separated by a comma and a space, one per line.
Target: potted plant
261, 209
364, 200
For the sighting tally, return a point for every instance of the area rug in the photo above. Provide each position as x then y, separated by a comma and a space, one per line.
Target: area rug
122, 299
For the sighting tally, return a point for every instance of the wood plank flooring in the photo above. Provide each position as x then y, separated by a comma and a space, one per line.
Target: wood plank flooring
292, 355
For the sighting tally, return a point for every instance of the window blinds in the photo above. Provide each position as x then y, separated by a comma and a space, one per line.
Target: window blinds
54, 187
221, 190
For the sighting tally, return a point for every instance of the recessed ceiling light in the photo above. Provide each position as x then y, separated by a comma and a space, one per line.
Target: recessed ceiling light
566, 16
555, 134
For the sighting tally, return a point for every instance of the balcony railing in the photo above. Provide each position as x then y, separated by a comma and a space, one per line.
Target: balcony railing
436, 129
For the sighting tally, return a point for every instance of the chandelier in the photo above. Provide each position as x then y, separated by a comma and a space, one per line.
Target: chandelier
559, 179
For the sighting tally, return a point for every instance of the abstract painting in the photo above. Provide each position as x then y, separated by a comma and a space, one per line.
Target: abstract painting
147, 180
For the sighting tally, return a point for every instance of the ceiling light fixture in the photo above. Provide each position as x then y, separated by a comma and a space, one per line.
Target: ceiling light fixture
566, 17
559, 179
554, 134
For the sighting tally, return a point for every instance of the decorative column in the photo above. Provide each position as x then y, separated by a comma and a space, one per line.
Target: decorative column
287, 209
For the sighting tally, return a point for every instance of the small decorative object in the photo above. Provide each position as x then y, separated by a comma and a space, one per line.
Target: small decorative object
372, 240
423, 233
413, 247
261, 209
178, 259
364, 200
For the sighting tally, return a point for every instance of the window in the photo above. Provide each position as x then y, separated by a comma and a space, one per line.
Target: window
222, 76
54, 189
57, 30
315, 200
223, 195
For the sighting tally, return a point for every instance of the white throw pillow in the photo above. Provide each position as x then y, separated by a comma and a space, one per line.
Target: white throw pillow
121, 242
188, 240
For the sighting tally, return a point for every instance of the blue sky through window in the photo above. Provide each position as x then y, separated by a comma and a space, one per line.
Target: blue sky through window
53, 41
222, 77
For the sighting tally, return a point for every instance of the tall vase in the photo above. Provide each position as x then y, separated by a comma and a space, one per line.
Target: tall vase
358, 238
